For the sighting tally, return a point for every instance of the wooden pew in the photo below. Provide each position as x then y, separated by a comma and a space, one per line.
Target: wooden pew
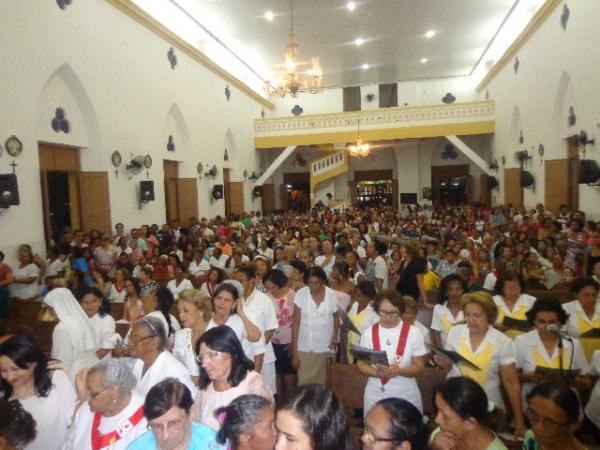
563, 296
24, 310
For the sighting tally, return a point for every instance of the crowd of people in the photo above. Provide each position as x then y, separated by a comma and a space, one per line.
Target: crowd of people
232, 322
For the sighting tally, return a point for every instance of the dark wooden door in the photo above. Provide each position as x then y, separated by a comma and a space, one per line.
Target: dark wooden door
513, 192
171, 173
94, 201
268, 197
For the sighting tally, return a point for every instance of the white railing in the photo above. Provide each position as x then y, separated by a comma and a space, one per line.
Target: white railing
377, 118
327, 163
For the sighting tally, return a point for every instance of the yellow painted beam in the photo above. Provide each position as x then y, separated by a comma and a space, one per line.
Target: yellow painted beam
316, 180
534, 24
146, 20
381, 134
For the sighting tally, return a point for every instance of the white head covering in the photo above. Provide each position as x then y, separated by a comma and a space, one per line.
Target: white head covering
72, 317
237, 285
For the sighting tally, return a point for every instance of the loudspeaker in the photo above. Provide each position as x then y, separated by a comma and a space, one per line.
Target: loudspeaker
217, 191
147, 191
492, 182
527, 179
257, 191
9, 190
589, 172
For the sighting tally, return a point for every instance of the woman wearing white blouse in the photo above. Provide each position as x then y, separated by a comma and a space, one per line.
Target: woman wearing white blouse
97, 309
195, 311
48, 396
405, 349
314, 328
180, 282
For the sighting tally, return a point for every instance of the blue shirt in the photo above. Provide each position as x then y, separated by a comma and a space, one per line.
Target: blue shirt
203, 438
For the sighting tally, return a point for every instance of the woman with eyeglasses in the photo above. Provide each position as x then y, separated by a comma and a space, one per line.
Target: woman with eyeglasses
225, 374
394, 424
47, 395
462, 418
554, 414
247, 423
167, 409
148, 343
111, 414
405, 351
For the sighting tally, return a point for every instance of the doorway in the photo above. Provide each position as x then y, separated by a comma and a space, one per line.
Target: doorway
451, 184
171, 173
59, 203
296, 191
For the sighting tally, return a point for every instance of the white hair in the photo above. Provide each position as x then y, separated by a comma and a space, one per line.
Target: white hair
115, 373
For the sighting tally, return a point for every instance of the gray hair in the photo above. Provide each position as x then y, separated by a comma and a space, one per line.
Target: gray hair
237, 285
115, 373
156, 327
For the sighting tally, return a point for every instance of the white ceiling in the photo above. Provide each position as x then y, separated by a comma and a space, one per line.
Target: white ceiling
393, 31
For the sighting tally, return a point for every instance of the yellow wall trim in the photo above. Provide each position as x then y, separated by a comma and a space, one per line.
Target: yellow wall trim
534, 24
145, 19
414, 132
316, 180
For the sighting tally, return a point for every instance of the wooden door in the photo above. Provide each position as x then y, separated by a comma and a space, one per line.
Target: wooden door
226, 192
94, 201
573, 172
236, 197
485, 191
395, 194
171, 173
556, 184
187, 200
513, 192
268, 197
283, 196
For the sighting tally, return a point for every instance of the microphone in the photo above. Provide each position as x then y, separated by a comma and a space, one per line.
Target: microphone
558, 332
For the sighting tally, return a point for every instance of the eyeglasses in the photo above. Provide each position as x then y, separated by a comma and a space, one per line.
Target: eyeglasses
171, 426
390, 314
209, 356
92, 395
372, 438
134, 338
534, 417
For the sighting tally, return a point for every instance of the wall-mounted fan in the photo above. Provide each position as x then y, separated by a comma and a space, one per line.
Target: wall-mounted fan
522, 156
212, 172
135, 166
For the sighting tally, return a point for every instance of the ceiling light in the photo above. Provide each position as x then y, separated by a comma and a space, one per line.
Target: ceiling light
360, 148
430, 34
359, 42
269, 16
351, 6
291, 81
365, 66
424, 60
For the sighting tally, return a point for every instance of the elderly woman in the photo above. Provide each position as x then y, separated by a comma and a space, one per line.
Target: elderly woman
512, 303
247, 423
112, 413
25, 276
225, 374
315, 327
168, 412
73, 339
554, 414
48, 396
584, 313
312, 418
97, 308
540, 349
404, 347
195, 312
394, 424
148, 343
491, 351
462, 418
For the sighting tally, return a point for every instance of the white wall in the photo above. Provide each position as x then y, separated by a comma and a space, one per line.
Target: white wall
113, 78
558, 69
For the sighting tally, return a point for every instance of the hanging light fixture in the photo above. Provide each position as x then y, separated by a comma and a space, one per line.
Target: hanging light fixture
291, 81
360, 149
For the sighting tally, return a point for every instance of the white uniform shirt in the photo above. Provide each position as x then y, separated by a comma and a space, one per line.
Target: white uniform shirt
592, 409
22, 290
503, 353
381, 270
177, 288
575, 311
80, 433
165, 366
183, 351
327, 268
250, 348
316, 322
104, 329
524, 301
261, 312
443, 320
198, 269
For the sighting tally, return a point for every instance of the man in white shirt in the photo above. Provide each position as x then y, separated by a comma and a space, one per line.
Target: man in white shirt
265, 250
377, 270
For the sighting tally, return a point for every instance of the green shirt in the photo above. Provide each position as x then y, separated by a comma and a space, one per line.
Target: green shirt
496, 444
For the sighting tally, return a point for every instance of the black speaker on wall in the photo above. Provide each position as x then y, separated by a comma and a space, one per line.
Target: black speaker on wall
589, 172
257, 191
147, 191
9, 190
527, 179
492, 182
217, 191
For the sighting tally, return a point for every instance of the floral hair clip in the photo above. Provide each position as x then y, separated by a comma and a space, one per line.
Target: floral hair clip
221, 417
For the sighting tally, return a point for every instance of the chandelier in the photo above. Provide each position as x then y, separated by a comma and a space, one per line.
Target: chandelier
360, 149
292, 81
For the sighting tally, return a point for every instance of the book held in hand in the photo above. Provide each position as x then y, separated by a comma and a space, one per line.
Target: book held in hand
516, 324
555, 374
369, 355
592, 333
453, 356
